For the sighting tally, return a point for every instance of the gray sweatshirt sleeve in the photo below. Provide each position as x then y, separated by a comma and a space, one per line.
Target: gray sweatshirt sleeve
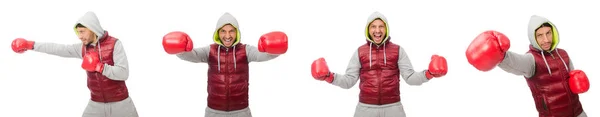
256, 56
197, 55
349, 79
518, 64
62, 50
120, 69
571, 67
408, 73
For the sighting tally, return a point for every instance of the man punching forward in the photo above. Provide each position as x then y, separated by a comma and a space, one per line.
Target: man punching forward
104, 61
379, 64
548, 70
227, 62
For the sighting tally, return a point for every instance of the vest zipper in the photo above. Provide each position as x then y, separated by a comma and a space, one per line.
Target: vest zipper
98, 77
378, 77
227, 61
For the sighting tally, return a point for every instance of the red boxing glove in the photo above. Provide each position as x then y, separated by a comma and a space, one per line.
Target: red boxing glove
438, 67
91, 63
275, 42
487, 50
21, 45
320, 70
578, 82
177, 42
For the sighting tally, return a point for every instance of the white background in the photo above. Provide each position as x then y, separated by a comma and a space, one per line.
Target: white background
34, 84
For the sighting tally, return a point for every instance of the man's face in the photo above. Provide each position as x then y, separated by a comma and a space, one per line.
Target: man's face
227, 34
544, 37
85, 35
377, 31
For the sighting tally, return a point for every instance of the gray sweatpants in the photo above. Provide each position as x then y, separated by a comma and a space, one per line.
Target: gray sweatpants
124, 108
388, 110
237, 113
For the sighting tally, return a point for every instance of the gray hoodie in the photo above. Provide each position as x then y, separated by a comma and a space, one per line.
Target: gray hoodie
200, 55
524, 64
120, 70
349, 79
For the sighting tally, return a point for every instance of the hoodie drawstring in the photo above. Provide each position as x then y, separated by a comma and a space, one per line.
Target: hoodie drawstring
219, 58
547, 66
234, 60
564, 63
384, 56
561, 59
371, 54
370, 48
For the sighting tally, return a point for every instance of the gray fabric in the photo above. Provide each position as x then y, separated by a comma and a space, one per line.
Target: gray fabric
90, 21
518, 64
225, 19
120, 70
373, 17
583, 114
124, 108
237, 113
534, 23
256, 56
197, 55
388, 110
349, 79
200, 55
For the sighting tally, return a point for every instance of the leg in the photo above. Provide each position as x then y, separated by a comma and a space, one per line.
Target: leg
365, 111
243, 113
395, 110
212, 113
94, 109
124, 108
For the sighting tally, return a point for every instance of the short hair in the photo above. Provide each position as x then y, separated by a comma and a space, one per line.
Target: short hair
544, 25
80, 26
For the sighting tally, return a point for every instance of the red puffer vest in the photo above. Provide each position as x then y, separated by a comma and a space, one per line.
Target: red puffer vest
379, 73
101, 87
550, 89
227, 78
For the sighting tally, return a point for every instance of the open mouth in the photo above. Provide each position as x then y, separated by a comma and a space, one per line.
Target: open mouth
378, 35
228, 40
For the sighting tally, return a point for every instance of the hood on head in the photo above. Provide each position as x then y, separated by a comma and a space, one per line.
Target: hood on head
373, 17
534, 23
90, 21
224, 20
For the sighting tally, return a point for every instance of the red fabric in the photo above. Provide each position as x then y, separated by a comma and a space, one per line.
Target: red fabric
227, 88
101, 87
379, 81
550, 91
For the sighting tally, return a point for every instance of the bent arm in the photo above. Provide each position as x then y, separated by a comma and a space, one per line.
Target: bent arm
349, 79
62, 50
197, 55
120, 69
406, 70
518, 64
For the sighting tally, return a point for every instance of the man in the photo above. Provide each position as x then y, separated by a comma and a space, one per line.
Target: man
548, 70
104, 61
228, 61
379, 64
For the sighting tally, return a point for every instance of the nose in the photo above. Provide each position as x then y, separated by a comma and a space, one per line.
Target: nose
546, 39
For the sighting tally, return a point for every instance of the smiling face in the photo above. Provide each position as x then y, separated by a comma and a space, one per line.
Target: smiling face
227, 34
377, 30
